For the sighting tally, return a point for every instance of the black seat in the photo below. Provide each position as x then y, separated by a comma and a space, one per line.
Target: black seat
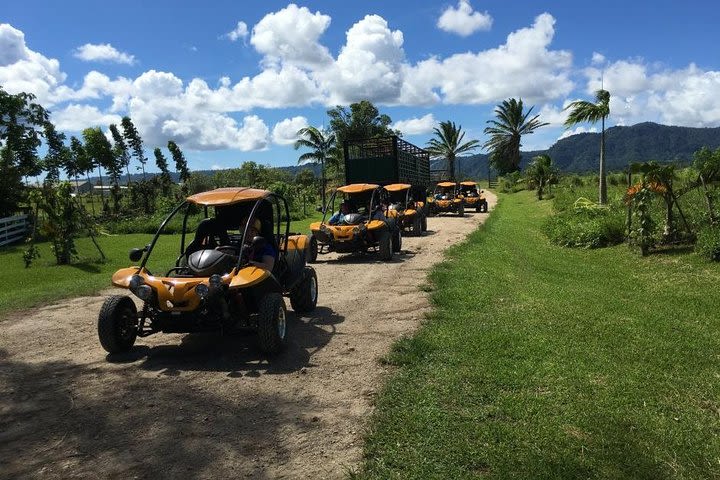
209, 234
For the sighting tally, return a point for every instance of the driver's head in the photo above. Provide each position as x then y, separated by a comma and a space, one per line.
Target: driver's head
345, 208
253, 227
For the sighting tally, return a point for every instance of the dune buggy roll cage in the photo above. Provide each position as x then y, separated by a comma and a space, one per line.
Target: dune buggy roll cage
378, 192
271, 197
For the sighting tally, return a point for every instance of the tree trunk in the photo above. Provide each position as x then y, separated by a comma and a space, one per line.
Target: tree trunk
603, 184
102, 190
324, 186
708, 201
451, 167
92, 200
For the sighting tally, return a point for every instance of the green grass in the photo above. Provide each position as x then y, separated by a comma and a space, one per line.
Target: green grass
544, 362
46, 282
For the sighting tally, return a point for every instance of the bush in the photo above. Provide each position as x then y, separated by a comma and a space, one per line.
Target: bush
511, 183
708, 243
586, 228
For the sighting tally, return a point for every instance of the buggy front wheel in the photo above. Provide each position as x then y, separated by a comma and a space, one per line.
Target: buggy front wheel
303, 298
117, 324
272, 323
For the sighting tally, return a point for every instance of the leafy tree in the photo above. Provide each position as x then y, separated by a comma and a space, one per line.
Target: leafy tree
362, 120
707, 163
541, 173
322, 146
62, 220
98, 147
506, 134
584, 111
81, 163
448, 144
121, 150
21, 125
180, 164
134, 141
162, 164
57, 153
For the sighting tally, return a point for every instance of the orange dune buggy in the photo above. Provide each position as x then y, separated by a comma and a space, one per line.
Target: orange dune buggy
446, 200
362, 226
408, 213
213, 286
472, 197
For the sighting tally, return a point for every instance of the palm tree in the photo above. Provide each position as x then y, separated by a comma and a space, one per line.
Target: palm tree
322, 145
541, 173
506, 132
584, 111
448, 144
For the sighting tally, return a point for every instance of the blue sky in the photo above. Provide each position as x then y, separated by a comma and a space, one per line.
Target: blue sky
232, 81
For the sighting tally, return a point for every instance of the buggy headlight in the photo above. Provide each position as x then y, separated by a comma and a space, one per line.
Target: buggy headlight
144, 292
215, 281
324, 228
135, 282
359, 228
202, 290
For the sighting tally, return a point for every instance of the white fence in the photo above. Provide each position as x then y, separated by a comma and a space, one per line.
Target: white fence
13, 229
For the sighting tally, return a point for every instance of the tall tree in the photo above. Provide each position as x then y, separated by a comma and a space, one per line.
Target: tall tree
448, 144
707, 164
584, 111
121, 150
57, 153
21, 125
180, 163
322, 146
83, 163
162, 164
98, 147
506, 134
134, 141
362, 120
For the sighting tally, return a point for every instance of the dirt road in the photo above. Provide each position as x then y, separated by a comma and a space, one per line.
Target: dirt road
205, 406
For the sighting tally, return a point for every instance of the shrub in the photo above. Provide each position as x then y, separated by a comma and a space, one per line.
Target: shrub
586, 227
708, 242
511, 183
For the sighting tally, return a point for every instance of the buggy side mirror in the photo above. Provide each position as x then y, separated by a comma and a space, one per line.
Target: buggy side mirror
136, 254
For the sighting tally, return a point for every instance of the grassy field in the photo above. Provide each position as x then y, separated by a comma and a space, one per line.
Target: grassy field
46, 282
544, 362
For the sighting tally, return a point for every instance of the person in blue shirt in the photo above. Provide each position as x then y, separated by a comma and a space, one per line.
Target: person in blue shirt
262, 254
338, 218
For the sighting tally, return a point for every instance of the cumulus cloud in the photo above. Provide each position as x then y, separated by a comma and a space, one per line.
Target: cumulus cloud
524, 66
291, 36
463, 20
598, 58
285, 132
416, 126
76, 118
103, 52
23, 70
369, 66
240, 32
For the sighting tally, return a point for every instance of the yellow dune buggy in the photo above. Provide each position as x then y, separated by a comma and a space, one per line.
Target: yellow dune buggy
473, 198
215, 283
445, 199
409, 214
360, 224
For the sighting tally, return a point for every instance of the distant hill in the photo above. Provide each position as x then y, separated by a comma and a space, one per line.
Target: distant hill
623, 145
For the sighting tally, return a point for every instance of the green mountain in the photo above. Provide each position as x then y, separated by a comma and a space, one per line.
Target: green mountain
623, 145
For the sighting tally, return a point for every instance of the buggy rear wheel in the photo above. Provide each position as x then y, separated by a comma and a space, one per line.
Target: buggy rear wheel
303, 298
385, 246
461, 211
424, 223
313, 250
272, 324
117, 324
397, 240
417, 226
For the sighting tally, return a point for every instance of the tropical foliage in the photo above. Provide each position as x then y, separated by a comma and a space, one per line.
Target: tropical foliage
323, 148
540, 174
448, 144
506, 134
584, 111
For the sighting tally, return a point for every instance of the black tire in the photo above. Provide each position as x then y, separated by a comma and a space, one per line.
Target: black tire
397, 240
312, 250
385, 246
117, 324
424, 223
272, 323
303, 298
417, 225
478, 209
461, 211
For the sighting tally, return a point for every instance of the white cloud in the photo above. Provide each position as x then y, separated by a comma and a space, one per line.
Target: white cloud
369, 66
103, 52
463, 20
524, 66
76, 118
240, 32
23, 70
577, 130
598, 58
416, 126
291, 36
285, 132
